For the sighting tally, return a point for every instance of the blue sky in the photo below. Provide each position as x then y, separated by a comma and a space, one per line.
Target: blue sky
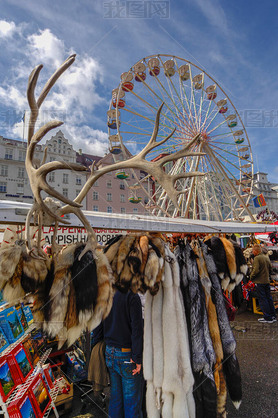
234, 42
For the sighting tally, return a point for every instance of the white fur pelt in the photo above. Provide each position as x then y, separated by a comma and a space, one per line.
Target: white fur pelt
166, 362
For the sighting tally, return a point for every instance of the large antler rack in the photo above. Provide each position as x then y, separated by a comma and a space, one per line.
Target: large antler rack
37, 176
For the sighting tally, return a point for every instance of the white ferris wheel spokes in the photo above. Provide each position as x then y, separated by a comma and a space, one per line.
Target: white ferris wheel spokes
194, 103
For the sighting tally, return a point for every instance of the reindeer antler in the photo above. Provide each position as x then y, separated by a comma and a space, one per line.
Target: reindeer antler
37, 176
153, 168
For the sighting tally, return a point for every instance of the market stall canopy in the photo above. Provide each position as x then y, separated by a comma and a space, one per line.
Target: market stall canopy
15, 213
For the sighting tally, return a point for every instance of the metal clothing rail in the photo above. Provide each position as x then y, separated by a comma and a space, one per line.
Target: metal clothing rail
15, 213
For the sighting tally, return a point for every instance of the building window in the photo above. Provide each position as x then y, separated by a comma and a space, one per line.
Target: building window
51, 177
77, 192
65, 192
109, 209
20, 188
21, 155
95, 208
3, 187
95, 195
109, 197
146, 200
21, 173
122, 210
65, 178
122, 198
8, 154
51, 159
4, 170
96, 183
109, 184
78, 180
135, 210
122, 185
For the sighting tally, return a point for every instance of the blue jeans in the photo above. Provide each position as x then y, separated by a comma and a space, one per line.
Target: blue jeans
265, 301
126, 389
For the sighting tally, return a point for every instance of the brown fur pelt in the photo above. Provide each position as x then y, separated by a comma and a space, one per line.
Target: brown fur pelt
13, 289
123, 251
151, 269
9, 259
144, 246
231, 262
71, 315
100, 308
135, 257
112, 247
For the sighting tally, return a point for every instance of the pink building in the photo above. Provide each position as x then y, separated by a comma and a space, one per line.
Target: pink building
111, 194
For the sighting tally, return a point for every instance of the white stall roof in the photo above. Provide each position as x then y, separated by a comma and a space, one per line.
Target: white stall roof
15, 213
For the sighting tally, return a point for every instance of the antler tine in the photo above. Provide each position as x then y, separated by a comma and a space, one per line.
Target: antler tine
52, 80
32, 82
36, 138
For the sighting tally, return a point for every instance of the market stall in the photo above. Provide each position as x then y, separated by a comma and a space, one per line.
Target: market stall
72, 289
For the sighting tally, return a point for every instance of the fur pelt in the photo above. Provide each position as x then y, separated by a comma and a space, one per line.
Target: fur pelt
166, 361
57, 305
157, 344
220, 259
227, 337
178, 375
13, 290
9, 259
41, 307
144, 246
135, 257
123, 251
233, 379
158, 245
230, 255
148, 338
242, 266
111, 249
151, 269
202, 354
101, 303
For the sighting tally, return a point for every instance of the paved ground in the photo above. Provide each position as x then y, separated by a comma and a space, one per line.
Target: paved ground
257, 352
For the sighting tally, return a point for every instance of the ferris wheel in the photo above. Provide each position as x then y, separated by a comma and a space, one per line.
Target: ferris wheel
194, 103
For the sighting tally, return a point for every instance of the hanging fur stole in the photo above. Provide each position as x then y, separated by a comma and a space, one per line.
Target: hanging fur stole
214, 333
97, 297
242, 266
20, 273
231, 262
230, 363
220, 259
169, 375
227, 337
178, 378
194, 303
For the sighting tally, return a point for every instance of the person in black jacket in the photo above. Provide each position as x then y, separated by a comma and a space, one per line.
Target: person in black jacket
122, 331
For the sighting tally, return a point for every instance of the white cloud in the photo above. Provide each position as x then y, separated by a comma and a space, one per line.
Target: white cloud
11, 96
46, 47
91, 141
7, 29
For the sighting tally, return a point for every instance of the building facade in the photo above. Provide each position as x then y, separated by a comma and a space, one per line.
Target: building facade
269, 191
109, 194
14, 182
